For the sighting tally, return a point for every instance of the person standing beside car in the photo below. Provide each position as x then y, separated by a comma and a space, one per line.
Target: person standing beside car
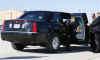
95, 29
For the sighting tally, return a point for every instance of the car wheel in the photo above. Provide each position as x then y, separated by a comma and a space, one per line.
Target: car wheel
54, 43
18, 46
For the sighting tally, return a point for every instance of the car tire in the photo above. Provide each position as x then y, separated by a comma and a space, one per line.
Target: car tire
18, 46
53, 43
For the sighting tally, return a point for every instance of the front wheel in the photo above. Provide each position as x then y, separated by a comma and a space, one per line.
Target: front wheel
54, 43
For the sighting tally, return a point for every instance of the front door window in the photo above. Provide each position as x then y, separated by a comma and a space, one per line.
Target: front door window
80, 30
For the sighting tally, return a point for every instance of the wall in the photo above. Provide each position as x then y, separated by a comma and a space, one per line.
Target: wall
9, 14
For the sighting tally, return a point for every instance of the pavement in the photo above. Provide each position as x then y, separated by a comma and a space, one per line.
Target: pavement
77, 52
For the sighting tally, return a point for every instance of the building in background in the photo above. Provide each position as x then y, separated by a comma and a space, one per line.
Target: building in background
9, 14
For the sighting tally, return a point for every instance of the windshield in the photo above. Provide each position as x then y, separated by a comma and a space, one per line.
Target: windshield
36, 16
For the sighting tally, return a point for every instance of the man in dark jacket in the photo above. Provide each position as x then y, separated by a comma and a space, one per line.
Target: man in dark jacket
95, 29
70, 27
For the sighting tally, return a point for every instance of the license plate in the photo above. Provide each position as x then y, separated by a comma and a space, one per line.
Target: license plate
16, 26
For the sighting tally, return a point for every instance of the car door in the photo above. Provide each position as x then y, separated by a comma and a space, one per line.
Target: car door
80, 30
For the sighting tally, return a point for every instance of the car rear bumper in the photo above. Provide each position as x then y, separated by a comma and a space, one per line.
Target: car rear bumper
24, 37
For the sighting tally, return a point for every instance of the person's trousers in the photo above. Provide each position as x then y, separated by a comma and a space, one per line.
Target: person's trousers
97, 40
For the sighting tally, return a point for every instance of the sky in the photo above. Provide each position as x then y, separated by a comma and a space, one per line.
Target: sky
53, 5
72, 5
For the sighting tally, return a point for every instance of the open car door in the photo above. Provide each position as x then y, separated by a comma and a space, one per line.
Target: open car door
82, 30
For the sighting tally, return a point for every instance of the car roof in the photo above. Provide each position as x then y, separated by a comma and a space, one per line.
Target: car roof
44, 11
52, 12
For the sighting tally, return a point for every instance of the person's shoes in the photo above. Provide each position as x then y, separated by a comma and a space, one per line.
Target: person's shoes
95, 51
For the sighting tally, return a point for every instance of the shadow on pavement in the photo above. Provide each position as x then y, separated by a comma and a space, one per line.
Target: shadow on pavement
72, 49
21, 57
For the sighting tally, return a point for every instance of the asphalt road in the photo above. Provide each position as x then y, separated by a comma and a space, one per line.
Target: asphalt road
76, 52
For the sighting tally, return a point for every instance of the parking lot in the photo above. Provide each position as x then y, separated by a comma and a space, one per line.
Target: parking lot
77, 52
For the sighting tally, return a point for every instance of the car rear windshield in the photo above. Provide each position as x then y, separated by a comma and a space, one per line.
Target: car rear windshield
35, 16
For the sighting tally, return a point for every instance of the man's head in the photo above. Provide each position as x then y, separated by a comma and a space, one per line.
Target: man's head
95, 15
72, 19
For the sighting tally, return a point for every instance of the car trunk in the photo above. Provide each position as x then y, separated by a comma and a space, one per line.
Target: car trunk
19, 25
24, 26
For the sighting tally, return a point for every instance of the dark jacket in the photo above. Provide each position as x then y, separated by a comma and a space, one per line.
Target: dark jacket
71, 27
95, 26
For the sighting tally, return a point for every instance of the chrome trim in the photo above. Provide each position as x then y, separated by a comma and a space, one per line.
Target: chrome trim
20, 32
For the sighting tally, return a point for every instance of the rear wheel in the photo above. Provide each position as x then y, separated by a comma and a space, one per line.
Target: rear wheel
18, 46
54, 43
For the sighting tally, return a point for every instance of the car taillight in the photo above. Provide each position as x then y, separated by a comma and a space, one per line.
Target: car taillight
3, 26
34, 29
